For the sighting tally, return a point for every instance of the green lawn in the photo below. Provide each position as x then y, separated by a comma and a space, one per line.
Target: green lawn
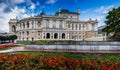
48, 42
5, 48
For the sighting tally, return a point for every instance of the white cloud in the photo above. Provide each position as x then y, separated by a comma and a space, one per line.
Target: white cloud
99, 18
104, 9
18, 12
18, 1
5, 16
32, 7
51, 1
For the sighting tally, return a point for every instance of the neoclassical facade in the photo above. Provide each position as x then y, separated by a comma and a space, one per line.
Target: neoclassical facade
64, 25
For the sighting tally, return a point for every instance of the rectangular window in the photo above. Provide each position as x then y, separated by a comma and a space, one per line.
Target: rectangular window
23, 25
27, 32
92, 27
72, 26
32, 24
47, 24
28, 24
54, 24
38, 32
76, 27
22, 33
79, 26
68, 25
39, 24
60, 24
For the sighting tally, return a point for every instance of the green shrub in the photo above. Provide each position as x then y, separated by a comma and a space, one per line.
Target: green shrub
25, 42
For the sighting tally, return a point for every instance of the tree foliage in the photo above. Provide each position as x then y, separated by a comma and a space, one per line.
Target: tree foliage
113, 22
8, 38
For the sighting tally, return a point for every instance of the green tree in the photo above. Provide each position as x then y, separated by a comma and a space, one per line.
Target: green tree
113, 23
13, 37
1, 39
8, 38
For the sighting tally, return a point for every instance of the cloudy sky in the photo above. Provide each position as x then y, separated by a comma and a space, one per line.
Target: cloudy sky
94, 9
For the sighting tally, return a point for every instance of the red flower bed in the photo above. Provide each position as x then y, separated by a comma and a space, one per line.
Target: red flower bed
7, 45
1, 47
10, 45
44, 62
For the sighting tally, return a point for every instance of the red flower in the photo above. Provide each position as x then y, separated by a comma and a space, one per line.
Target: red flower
1, 47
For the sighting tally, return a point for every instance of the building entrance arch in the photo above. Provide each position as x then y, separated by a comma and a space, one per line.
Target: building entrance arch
13, 28
48, 36
63, 35
55, 36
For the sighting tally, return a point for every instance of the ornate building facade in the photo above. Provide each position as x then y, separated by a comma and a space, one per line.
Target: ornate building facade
64, 25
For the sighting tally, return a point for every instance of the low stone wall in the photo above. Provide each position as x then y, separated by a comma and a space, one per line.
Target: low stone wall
81, 46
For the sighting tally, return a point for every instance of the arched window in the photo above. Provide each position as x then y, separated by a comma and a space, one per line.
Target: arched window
32, 24
27, 32
23, 25
27, 38
47, 24
92, 27
23, 39
48, 35
54, 24
55, 36
76, 26
20, 25
28, 24
60, 24
68, 25
13, 28
63, 35
32, 38
39, 24
22, 33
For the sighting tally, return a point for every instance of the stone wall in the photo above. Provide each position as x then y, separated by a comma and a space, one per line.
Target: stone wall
79, 46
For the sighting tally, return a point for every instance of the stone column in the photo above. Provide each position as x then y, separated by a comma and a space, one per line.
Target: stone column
74, 26
45, 35
25, 25
84, 27
42, 35
34, 23
77, 26
50, 36
58, 36
81, 26
68, 35
65, 35
83, 36
21, 25
53, 35
70, 26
